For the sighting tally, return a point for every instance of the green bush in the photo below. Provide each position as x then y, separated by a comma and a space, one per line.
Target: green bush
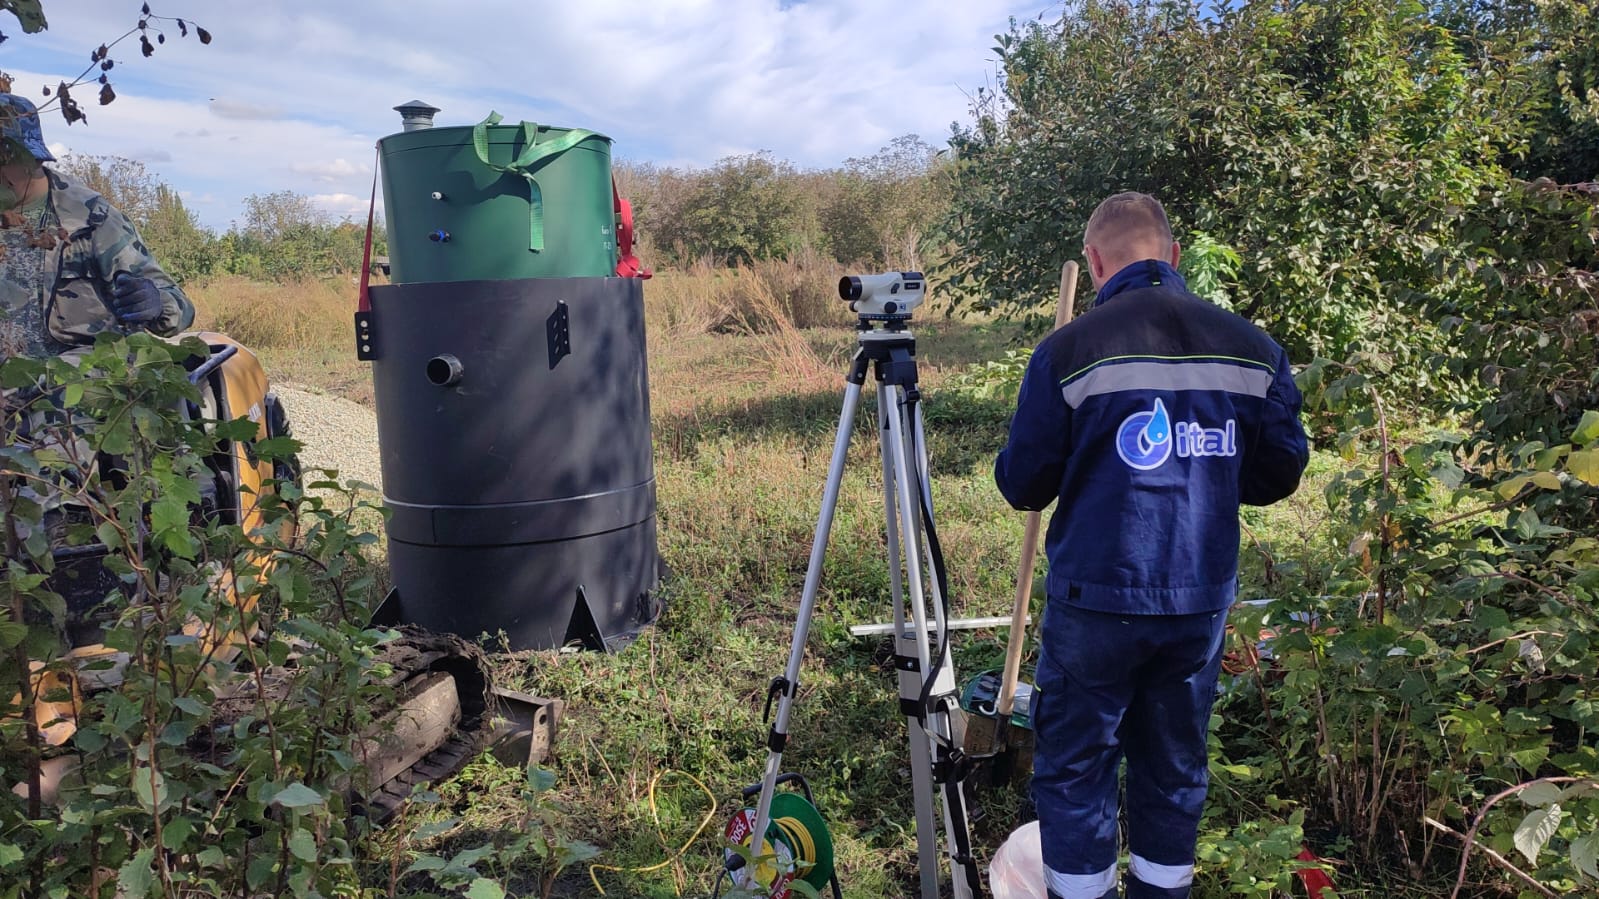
210, 765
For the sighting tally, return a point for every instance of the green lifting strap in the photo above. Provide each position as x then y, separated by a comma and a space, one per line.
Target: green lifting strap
532, 152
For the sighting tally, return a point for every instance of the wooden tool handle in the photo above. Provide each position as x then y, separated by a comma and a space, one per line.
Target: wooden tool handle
1024, 577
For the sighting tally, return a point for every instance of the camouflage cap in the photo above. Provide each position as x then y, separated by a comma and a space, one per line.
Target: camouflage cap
19, 121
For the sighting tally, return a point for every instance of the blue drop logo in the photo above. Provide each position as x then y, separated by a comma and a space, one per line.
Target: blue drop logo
1144, 439
1158, 430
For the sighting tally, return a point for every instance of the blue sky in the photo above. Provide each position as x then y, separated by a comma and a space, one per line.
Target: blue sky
292, 95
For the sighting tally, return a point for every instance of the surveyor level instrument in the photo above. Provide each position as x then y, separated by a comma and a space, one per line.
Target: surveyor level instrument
920, 595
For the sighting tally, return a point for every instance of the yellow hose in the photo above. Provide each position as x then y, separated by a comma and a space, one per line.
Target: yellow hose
805, 856
655, 813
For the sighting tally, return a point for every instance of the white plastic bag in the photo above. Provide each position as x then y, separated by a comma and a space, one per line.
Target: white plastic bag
1017, 871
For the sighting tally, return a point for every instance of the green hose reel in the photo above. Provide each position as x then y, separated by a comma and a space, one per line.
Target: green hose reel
797, 847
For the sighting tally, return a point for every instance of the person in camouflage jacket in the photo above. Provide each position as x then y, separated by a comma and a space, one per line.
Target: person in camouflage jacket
95, 272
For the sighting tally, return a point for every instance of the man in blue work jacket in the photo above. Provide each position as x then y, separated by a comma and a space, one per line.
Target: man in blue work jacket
1151, 418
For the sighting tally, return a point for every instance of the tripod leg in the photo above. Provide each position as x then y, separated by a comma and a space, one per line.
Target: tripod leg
908, 645
787, 687
930, 742
951, 724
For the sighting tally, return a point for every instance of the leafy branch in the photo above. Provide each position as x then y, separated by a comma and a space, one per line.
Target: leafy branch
99, 58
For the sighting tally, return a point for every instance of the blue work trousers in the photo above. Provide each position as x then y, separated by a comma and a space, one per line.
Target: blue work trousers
1111, 686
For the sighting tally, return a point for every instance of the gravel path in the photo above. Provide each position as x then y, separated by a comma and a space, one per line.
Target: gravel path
337, 434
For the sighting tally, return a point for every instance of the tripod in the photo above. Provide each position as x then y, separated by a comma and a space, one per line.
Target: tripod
926, 676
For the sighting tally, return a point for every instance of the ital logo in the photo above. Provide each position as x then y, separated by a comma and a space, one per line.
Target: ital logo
1146, 440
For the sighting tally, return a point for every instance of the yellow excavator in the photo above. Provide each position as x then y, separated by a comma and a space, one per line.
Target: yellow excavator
444, 711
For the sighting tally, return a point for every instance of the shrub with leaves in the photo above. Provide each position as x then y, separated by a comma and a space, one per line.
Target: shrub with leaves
1449, 663
215, 739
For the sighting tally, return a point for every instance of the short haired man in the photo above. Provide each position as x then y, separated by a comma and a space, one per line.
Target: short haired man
72, 264
1150, 418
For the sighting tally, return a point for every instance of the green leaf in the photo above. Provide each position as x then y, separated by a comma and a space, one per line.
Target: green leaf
277, 447
166, 513
1241, 772
483, 888
29, 12
426, 863
1540, 794
1587, 429
303, 845
150, 787
136, 878
296, 795
1531, 759
435, 828
571, 852
109, 535
190, 706
176, 833
9, 855
1507, 489
540, 779
1584, 466
466, 858
1585, 854
11, 633
72, 394
1548, 480
1535, 830
261, 869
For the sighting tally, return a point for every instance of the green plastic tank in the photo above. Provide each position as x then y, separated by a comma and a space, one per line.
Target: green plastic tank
496, 201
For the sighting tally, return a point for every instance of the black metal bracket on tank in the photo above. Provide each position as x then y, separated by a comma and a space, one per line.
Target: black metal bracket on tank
366, 336
558, 333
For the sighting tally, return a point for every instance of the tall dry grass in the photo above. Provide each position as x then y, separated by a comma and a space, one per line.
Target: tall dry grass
303, 315
801, 292
764, 298
774, 299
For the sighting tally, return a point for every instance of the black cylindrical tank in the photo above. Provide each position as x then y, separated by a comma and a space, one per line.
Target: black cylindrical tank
513, 418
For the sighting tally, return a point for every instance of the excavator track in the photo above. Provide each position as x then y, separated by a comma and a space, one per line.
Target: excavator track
440, 723
441, 717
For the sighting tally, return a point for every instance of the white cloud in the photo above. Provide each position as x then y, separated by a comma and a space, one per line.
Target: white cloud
292, 96
333, 170
342, 206
235, 109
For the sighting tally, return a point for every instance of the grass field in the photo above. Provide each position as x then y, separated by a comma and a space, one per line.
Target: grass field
745, 404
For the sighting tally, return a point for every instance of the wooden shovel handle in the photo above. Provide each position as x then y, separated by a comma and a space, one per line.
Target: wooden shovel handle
1024, 576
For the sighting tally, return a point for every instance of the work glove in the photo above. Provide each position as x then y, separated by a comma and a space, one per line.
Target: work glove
135, 300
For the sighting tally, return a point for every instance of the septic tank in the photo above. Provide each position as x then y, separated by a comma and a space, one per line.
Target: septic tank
512, 392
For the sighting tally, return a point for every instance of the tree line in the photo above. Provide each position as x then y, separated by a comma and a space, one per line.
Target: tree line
279, 236
875, 210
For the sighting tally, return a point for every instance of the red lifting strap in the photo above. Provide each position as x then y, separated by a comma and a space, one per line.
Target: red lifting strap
627, 264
